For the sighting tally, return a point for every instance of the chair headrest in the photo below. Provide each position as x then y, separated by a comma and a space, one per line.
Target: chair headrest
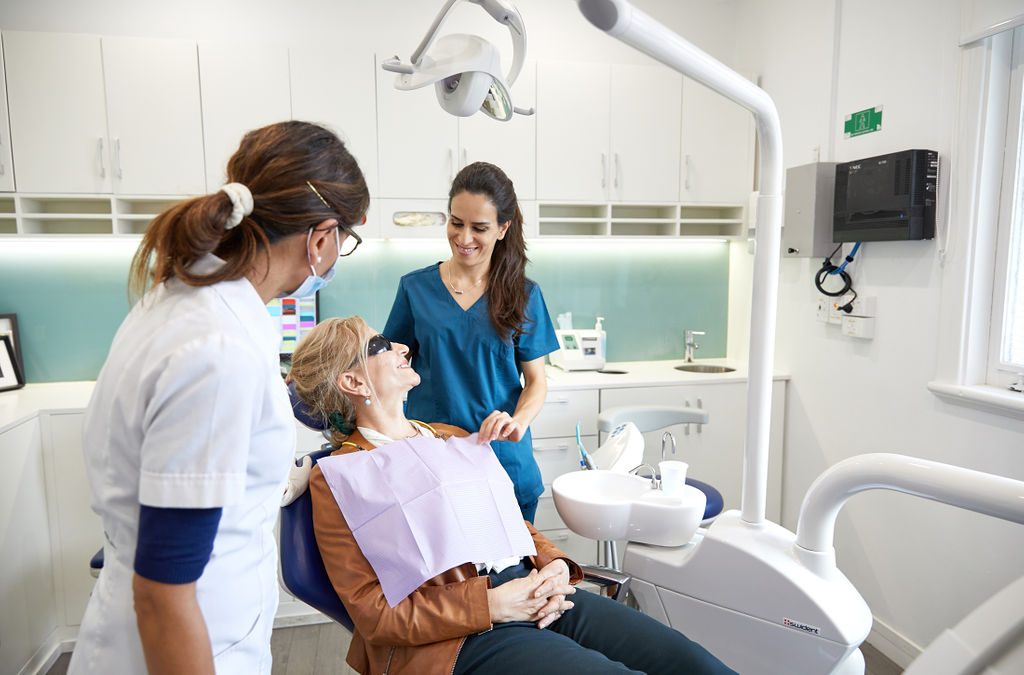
305, 414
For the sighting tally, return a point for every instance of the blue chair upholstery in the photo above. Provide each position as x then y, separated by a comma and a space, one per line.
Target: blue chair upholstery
302, 568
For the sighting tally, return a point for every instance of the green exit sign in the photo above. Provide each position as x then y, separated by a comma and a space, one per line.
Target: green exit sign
863, 122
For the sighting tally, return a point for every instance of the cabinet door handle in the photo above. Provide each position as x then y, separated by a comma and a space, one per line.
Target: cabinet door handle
618, 168
117, 158
564, 447
99, 155
563, 399
465, 157
686, 170
451, 165
700, 406
604, 170
686, 427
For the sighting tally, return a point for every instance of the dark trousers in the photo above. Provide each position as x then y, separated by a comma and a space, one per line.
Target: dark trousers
598, 635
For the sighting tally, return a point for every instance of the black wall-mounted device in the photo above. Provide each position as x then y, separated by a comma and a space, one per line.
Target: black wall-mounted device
886, 198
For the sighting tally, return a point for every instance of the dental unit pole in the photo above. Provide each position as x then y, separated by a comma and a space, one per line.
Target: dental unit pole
621, 20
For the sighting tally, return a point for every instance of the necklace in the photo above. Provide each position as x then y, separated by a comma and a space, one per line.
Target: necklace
456, 290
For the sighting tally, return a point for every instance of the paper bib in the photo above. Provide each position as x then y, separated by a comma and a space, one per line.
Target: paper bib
420, 506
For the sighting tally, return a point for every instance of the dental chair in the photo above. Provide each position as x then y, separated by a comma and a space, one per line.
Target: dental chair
302, 568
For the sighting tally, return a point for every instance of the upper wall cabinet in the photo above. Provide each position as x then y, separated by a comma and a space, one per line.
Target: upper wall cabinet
600, 138
111, 115
422, 147
6, 158
717, 146
337, 90
244, 87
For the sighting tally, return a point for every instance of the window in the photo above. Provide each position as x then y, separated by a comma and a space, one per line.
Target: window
981, 327
1006, 349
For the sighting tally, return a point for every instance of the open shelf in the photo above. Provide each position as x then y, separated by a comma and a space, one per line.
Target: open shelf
45, 214
642, 220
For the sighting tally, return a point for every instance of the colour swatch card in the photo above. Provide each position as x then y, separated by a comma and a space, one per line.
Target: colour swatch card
294, 317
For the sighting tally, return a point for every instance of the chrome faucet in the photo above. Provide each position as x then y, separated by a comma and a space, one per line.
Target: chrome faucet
691, 345
665, 438
655, 483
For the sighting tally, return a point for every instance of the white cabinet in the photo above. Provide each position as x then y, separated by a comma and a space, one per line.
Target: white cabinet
599, 135
58, 114
717, 148
714, 450
243, 87
92, 115
6, 158
29, 610
154, 116
336, 89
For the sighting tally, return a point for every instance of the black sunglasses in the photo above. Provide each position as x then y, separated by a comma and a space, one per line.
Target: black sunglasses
378, 344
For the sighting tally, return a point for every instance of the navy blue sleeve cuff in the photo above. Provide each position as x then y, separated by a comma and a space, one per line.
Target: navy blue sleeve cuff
174, 545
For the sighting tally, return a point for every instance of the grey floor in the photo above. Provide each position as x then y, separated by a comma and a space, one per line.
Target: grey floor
320, 650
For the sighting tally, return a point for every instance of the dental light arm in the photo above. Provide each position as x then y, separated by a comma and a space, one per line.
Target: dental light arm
621, 20
451, 69
977, 491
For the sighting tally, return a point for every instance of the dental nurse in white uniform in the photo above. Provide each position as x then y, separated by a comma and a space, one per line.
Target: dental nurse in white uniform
189, 435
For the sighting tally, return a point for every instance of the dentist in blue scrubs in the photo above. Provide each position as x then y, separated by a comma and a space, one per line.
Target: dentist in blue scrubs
474, 324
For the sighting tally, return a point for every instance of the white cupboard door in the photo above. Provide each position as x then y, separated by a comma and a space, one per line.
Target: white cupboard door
417, 141
243, 87
58, 113
572, 131
27, 593
336, 89
6, 158
645, 107
717, 148
511, 145
154, 116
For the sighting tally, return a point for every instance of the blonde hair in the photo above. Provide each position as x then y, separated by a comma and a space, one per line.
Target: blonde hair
334, 347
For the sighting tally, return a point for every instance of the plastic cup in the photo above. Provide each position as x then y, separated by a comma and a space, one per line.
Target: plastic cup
673, 476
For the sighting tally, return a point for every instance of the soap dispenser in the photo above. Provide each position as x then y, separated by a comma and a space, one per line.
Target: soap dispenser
604, 338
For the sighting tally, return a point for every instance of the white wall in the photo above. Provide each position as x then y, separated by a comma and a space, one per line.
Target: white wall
921, 566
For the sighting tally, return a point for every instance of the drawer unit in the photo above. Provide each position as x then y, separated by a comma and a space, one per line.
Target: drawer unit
562, 410
556, 456
547, 517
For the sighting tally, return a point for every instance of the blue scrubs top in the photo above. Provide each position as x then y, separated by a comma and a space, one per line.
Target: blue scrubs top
467, 371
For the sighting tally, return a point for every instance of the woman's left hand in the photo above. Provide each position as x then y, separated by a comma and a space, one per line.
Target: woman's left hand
500, 426
555, 587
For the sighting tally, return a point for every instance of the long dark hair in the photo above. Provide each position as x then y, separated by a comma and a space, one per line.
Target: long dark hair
506, 280
274, 162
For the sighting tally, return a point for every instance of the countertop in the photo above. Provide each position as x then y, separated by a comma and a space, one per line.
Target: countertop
22, 404
647, 374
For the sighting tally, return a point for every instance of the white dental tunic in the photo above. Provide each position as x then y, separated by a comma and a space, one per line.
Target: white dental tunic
190, 411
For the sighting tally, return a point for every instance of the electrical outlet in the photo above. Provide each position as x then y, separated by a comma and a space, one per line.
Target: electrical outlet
834, 315
859, 326
821, 311
864, 305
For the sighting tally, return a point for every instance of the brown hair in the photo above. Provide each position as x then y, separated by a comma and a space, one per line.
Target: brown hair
274, 162
506, 280
334, 346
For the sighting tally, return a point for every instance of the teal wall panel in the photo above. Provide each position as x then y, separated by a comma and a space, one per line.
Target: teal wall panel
71, 297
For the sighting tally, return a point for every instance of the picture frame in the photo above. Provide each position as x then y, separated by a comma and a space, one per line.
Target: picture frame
9, 326
10, 372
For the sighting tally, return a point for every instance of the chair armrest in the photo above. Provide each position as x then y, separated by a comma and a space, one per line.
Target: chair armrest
616, 582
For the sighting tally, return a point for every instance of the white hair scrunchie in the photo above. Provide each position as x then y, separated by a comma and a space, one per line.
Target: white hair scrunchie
241, 203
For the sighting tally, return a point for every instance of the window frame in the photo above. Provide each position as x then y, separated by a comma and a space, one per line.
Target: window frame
974, 280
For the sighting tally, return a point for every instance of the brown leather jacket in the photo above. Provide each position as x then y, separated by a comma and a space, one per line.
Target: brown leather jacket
423, 634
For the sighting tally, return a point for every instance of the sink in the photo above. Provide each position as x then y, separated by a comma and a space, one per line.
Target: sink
704, 368
608, 505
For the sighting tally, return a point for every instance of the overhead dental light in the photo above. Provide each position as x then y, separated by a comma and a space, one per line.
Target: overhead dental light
466, 69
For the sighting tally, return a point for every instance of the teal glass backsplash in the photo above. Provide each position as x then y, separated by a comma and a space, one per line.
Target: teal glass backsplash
70, 296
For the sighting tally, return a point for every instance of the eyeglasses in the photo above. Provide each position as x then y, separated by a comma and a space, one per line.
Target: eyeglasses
351, 242
378, 344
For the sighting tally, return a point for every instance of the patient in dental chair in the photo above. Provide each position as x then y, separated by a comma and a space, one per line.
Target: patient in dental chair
399, 497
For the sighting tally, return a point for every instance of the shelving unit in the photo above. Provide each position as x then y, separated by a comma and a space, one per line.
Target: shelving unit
641, 220
47, 214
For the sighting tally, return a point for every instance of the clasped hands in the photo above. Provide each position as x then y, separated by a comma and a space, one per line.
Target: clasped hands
500, 426
538, 597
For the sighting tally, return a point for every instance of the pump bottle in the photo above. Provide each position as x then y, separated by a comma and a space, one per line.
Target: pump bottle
604, 338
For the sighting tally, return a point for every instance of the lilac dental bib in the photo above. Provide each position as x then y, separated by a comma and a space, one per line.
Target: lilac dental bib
420, 506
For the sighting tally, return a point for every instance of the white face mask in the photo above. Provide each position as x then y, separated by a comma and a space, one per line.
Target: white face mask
314, 282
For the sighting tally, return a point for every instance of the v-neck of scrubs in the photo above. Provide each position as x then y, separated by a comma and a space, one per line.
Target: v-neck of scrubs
454, 296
